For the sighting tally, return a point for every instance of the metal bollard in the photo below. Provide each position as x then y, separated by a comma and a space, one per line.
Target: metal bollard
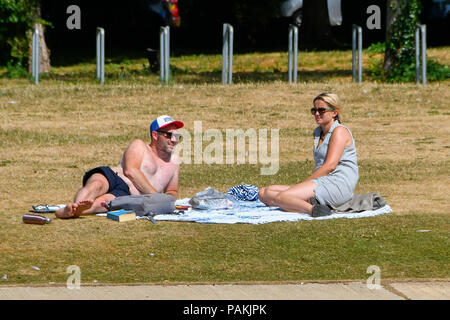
101, 55
227, 54
357, 30
35, 56
421, 35
164, 50
293, 53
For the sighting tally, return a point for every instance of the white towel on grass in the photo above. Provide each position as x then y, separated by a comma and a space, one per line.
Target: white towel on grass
255, 212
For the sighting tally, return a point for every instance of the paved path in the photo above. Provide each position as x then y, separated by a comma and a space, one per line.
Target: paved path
415, 290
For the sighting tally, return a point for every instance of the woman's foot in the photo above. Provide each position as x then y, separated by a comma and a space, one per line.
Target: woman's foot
319, 210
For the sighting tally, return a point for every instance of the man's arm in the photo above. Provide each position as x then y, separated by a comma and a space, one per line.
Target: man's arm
132, 167
172, 187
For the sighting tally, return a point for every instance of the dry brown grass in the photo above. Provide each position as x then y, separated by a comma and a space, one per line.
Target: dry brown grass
54, 132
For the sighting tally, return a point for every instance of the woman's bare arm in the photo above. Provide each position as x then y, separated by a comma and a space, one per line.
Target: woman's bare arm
340, 139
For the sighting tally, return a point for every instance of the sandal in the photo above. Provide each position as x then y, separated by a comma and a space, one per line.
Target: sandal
46, 208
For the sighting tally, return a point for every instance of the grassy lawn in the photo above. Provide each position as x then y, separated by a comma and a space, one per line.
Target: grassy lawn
52, 133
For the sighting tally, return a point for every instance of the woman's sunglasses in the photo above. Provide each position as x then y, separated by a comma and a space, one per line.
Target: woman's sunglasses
320, 110
177, 136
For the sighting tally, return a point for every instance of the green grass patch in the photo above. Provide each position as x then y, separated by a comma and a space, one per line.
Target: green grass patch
140, 252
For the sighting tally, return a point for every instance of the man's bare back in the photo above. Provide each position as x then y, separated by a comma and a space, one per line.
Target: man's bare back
143, 169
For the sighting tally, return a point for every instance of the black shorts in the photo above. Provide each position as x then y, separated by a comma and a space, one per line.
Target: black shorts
117, 186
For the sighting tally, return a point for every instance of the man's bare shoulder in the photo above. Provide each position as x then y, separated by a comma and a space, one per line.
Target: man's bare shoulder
137, 142
136, 145
175, 159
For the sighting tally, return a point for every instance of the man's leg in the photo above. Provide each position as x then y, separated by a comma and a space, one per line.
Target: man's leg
95, 186
85, 199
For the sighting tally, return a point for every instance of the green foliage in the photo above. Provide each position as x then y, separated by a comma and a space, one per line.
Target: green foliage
437, 71
400, 47
407, 71
17, 17
16, 70
378, 47
400, 44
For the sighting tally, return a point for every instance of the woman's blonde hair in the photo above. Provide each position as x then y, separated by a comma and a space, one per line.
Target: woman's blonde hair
332, 100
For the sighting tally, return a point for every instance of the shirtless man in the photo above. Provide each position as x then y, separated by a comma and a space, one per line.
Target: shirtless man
143, 169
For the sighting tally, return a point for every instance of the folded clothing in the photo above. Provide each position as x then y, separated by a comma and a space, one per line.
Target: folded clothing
362, 202
244, 192
145, 204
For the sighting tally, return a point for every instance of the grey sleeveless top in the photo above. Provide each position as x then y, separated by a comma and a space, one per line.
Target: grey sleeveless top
345, 176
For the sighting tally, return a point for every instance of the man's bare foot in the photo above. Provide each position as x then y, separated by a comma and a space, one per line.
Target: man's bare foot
74, 210
66, 212
83, 205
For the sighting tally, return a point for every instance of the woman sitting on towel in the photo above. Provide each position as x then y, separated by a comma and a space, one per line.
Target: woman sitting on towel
336, 171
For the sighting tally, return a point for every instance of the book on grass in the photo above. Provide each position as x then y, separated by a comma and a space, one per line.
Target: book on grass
121, 215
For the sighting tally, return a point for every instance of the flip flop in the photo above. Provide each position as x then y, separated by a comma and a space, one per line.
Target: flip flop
46, 208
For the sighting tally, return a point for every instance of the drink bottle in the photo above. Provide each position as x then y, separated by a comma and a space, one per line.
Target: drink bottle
35, 219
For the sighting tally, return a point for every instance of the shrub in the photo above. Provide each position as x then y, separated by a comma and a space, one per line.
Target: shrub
17, 17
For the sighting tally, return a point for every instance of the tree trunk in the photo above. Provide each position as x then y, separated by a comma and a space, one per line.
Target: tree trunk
44, 52
391, 14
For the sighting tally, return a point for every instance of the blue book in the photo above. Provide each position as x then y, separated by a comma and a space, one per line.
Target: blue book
121, 215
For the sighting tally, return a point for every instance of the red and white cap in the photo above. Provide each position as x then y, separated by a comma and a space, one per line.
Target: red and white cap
164, 121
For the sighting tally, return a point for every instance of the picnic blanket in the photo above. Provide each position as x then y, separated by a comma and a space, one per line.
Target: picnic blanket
256, 212
245, 207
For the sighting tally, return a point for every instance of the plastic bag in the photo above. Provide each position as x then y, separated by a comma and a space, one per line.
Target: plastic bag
210, 199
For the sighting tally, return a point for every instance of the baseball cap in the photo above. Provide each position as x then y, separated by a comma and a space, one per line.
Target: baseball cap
164, 121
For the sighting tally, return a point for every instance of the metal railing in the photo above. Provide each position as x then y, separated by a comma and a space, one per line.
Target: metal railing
100, 37
356, 30
293, 53
164, 54
421, 48
35, 56
227, 54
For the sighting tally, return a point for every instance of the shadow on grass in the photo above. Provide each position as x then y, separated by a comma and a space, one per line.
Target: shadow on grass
91, 76
120, 72
67, 58
257, 76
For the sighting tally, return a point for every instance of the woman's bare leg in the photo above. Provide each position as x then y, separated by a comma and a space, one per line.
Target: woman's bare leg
267, 194
296, 198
